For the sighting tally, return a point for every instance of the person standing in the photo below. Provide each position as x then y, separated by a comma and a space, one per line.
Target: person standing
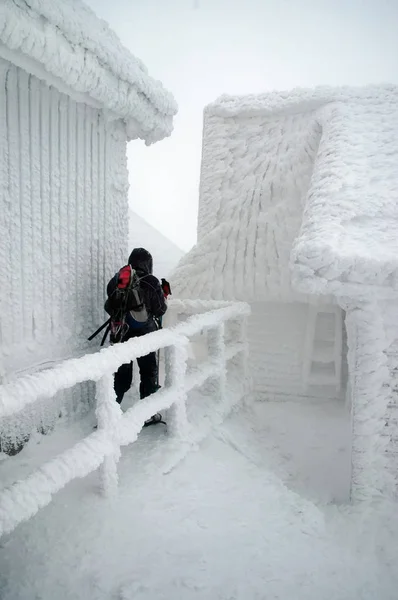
136, 303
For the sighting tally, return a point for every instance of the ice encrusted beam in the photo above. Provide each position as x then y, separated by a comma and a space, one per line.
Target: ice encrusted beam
176, 366
368, 367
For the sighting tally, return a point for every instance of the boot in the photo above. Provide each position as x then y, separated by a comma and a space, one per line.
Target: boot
154, 420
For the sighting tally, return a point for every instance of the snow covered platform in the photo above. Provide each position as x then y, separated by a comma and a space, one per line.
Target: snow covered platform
218, 525
306, 444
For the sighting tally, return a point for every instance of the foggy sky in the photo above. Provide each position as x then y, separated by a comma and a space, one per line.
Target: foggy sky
201, 49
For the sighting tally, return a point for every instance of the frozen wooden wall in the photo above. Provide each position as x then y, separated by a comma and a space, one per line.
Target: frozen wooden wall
63, 220
63, 217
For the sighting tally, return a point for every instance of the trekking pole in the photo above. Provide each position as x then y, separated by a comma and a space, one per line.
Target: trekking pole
93, 335
159, 320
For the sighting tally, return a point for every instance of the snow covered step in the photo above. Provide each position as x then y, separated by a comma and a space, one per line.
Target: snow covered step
325, 326
323, 347
321, 379
323, 351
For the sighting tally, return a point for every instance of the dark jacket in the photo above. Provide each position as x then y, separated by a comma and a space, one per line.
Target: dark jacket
152, 293
141, 260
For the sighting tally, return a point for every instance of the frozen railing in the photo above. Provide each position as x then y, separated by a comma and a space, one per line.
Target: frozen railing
101, 449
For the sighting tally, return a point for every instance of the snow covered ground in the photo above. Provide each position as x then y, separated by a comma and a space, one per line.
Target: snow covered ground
216, 523
307, 444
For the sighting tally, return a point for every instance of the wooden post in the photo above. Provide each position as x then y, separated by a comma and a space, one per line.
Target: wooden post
243, 338
216, 345
369, 378
108, 413
176, 367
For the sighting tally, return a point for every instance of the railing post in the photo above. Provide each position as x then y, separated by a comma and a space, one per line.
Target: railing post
216, 347
243, 338
108, 414
372, 480
176, 367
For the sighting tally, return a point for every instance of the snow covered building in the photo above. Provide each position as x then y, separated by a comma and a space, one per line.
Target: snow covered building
71, 96
298, 214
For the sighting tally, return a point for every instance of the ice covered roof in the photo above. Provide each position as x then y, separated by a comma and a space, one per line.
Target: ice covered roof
70, 43
297, 186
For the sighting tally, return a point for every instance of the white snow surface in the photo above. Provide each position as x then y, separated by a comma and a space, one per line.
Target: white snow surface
304, 179
165, 253
72, 45
218, 524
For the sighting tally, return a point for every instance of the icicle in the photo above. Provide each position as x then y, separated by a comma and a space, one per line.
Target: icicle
36, 258
103, 275
25, 200
15, 282
89, 265
65, 283
96, 310
5, 220
110, 208
72, 190
45, 292
55, 274
82, 270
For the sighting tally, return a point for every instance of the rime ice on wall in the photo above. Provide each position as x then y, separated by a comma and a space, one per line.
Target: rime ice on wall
254, 180
256, 171
70, 97
64, 197
336, 149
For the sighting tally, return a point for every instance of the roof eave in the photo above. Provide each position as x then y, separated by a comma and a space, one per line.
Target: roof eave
44, 50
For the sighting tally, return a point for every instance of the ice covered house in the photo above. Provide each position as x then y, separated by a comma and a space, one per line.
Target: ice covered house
71, 96
298, 215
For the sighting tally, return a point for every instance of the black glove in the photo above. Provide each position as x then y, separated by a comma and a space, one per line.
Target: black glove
166, 288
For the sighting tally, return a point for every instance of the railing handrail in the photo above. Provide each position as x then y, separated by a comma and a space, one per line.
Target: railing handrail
101, 449
26, 390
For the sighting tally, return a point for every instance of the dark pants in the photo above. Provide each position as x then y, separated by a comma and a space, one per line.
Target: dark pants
148, 377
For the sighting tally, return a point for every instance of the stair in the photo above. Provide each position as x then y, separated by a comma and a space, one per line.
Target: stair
323, 348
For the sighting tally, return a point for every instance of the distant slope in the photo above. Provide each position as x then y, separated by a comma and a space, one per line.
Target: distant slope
165, 253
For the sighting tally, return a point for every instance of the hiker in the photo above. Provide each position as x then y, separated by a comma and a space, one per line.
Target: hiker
145, 308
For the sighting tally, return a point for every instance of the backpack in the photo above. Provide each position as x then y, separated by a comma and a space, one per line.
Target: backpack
125, 303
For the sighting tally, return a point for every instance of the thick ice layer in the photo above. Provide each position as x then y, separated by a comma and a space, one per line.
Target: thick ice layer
306, 177
62, 231
71, 44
